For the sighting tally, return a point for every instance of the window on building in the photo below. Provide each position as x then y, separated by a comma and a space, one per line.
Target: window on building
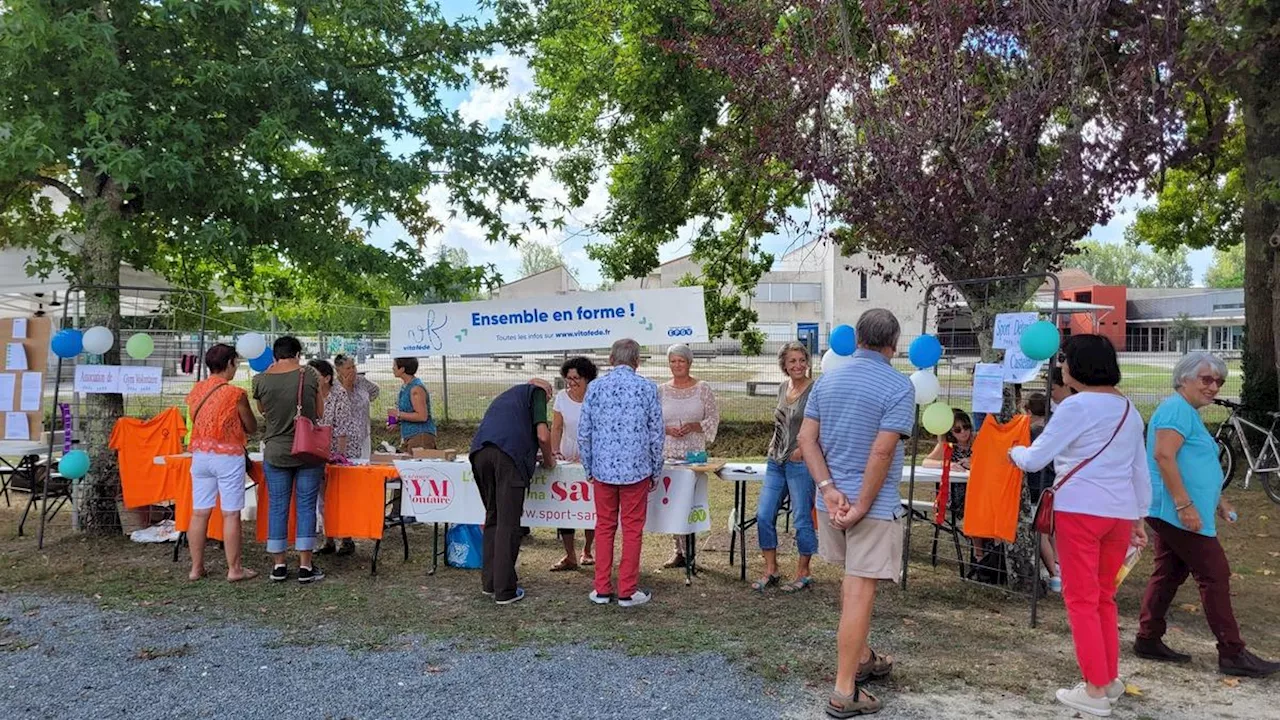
787, 292
1223, 307
862, 285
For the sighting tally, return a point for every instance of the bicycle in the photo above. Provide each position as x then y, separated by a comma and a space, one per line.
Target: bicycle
1266, 464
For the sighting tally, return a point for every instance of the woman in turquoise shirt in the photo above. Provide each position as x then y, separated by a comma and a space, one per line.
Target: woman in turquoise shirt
1186, 496
413, 408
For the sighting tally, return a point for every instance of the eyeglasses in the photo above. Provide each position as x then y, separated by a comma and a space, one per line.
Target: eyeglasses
959, 429
1211, 380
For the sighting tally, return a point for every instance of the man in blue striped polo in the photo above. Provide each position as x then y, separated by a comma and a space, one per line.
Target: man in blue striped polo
854, 423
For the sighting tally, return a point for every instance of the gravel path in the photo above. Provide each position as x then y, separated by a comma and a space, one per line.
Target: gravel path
69, 660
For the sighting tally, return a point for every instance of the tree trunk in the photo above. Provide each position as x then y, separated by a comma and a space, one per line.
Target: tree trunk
1258, 95
984, 304
99, 274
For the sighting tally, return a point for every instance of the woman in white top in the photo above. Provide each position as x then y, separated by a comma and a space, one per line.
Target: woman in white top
1098, 510
577, 373
691, 416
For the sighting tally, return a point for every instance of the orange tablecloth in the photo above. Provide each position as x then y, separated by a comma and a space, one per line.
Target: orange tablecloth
354, 503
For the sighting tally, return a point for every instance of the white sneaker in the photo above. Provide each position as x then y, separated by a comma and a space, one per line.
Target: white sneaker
599, 599
639, 598
1115, 690
1055, 584
1077, 699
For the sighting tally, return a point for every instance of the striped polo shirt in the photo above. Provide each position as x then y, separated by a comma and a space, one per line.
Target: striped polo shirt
853, 404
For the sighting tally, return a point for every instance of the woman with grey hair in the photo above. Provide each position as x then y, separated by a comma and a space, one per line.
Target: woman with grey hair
1186, 499
691, 416
786, 474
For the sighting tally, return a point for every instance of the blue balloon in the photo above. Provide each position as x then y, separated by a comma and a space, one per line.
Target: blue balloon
925, 351
1040, 340
263, 361
67, 343
843, 341
74, 465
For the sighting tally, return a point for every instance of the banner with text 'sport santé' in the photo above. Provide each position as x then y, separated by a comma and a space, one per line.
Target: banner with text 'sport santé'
573, 321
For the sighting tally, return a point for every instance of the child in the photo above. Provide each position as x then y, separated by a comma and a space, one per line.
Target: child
960, 437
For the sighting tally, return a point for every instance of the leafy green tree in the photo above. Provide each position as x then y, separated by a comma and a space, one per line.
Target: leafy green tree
1131, 266
537, 257
208, 140
1227, 269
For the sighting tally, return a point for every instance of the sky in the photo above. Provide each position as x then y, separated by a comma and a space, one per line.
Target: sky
489, 106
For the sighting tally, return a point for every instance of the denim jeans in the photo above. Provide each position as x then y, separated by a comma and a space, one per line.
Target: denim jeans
792, 478
282, 483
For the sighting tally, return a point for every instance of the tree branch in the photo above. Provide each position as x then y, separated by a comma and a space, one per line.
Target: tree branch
56, 184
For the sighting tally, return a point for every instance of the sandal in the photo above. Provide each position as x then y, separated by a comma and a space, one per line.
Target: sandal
586, 560
676, 561
860, 702
766, 582
879, 666
564, 565
795, 586
247, 574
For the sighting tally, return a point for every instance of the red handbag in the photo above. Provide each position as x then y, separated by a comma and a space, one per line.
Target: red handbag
1043, 522
311, 442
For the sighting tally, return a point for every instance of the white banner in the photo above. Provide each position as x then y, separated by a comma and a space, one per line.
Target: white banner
123, 379
1019, 368
1009, 327
445, 492
554, 322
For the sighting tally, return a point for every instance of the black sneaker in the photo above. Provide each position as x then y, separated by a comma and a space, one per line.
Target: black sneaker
310, 575
348, 547
328, 548
279, 573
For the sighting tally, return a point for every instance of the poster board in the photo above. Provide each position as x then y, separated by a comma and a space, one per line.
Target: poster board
32, 335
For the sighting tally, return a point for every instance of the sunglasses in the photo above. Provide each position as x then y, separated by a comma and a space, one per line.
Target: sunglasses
1211, 380
961, 428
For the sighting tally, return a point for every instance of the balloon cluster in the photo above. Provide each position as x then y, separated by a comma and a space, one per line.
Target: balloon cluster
97, 340
840, 346
254, 346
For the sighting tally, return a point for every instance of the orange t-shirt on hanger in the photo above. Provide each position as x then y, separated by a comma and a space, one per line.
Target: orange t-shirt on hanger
138, 443
994, 494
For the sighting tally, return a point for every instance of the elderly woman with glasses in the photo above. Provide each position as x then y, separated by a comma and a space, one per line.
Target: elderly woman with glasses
691, 416
1186, 499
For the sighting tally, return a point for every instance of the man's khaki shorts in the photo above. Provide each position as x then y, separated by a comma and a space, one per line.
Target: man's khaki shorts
871, 549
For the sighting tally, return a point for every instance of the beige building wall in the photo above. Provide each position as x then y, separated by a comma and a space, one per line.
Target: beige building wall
556, 281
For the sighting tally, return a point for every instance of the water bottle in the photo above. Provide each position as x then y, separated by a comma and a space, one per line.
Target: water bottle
1130, 560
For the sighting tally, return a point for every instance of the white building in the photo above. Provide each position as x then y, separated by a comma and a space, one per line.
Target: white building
555, 281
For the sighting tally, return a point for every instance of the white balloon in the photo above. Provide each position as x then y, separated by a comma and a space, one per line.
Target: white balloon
251, 345
832, 361
98, 340
926, 385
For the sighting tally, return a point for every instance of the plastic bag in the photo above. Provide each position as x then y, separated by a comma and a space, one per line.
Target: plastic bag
463, 544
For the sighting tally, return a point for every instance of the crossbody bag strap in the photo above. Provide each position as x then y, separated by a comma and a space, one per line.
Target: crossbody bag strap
301, 377
204, 400
1114, 433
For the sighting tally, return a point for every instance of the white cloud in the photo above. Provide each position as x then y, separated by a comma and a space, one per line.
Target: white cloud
489, 104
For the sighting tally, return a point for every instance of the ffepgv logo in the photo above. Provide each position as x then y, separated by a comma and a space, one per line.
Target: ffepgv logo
680, 331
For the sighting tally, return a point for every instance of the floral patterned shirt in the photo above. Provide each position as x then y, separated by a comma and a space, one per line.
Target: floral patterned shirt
620, 434
347, 411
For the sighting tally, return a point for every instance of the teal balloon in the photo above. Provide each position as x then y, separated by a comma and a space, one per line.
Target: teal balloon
74, 465
140, 346
843, 340
263, 361
67, 343
1040, 341
925, 351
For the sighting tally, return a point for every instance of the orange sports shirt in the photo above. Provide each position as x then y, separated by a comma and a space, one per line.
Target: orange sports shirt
995, 484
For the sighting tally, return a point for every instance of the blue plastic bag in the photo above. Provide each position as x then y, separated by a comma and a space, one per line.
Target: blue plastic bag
463, 544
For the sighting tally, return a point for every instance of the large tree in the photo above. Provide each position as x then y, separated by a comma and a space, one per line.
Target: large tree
203, 140
1131, 265
536, 257
1227, 269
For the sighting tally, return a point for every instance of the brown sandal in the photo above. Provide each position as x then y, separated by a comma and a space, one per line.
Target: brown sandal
879, 666
860, 702
564, 565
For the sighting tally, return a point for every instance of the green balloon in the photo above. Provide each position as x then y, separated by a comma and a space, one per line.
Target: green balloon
140, 346
937, 418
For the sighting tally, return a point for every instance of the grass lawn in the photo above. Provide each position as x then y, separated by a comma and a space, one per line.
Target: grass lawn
945, 633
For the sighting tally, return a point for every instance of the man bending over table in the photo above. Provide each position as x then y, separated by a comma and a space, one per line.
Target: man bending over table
853, 424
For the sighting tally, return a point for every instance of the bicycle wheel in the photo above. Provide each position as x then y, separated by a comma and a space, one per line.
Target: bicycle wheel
1227, 459
1270, 480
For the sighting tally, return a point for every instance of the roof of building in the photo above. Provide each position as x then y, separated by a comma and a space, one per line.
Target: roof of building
1196, 303
559, 267
1070, 279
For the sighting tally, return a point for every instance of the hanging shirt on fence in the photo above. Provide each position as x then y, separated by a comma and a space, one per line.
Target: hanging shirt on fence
995, 484
139, 442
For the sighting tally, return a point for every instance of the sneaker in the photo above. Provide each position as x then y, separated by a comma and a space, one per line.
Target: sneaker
639, 597
599, 599
348, 547
512, 600
487, 593
310, 575
279, 573
1055, 584
1115, 690
1077, 699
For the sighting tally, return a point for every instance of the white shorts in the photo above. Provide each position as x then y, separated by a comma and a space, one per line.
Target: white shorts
217, 477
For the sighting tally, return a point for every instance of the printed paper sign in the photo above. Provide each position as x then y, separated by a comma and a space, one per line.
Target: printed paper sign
988, 387
555, 322
1019, 368
15, 357
445, 492
16, 426
1009, 327
125, 380
8, 382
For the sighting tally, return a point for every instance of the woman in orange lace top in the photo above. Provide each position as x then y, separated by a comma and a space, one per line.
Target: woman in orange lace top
220, 419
